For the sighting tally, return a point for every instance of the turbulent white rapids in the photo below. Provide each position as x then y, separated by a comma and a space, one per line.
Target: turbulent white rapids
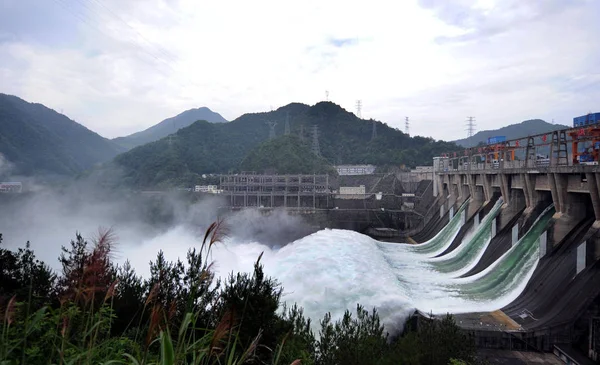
333, 270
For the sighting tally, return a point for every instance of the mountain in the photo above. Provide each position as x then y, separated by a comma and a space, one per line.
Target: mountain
205, 148
513, 131
37, 140
169, 126
285, 155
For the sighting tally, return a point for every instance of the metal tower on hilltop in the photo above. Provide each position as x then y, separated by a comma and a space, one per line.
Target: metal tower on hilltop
406, 126
359, 108
326, 95
271, 129
470, 126
315, 140
287, 124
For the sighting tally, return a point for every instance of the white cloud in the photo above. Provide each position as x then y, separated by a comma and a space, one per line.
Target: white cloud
133, 64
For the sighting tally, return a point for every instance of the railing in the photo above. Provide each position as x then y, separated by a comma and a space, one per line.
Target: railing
497, 165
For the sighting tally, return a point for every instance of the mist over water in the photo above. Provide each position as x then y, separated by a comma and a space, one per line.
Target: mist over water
323, 271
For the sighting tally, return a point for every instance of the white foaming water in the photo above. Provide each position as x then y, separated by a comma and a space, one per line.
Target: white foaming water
333, 270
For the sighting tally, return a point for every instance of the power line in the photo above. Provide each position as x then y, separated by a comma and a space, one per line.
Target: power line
159, 48
470, 126
134, 43
82, 18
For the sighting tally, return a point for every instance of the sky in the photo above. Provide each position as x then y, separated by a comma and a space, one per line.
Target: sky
118, 66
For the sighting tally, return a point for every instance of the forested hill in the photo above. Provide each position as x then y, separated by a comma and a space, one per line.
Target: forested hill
37, 140
285, 155
169, 126
513, 131
216, 148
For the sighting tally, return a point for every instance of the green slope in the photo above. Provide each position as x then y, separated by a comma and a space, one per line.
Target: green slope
285, 155
217, 148
168, 126
39, 141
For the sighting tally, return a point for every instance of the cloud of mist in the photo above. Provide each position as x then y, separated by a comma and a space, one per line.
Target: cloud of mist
50, 217
6, 167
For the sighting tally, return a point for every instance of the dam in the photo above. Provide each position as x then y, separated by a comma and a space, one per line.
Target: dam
505, 236
525, 206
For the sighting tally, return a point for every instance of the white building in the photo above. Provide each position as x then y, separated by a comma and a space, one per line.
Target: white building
352, 190
11, 187
355, 169
212, 189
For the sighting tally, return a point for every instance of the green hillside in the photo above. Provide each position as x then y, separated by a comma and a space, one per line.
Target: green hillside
219, 148
513, 131
39, 141
285, 155
168, 126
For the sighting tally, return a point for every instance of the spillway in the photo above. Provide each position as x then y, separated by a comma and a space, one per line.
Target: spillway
333, 270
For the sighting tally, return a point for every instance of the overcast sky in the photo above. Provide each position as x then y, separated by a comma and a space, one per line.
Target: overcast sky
119, 66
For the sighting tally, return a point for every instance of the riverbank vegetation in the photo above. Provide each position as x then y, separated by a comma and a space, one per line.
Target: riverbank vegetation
97, 312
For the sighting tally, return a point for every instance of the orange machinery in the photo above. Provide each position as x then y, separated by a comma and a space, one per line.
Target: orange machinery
590, 154
492, 152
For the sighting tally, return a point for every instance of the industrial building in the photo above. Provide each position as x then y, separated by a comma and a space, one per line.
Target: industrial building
212, 189
591, 118
355, 169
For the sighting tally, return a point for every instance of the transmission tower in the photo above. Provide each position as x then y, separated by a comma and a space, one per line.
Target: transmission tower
287, 124
374, 132
271, 129
326, 95
359, 108
406, 126
315, 143
470, 126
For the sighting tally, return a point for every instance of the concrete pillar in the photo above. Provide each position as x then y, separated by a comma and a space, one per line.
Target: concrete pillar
526, 188
459, 185
593, 188
561, 190
530, 183
581, 257
543, 243
451, 212
515, 234
442, 211
494, 226
505, 188
476, 220
487, 187
554, 192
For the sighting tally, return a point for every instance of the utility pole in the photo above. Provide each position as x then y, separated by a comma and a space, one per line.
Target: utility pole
359, 108
470, 126
315, 143
287, 124
406, 126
